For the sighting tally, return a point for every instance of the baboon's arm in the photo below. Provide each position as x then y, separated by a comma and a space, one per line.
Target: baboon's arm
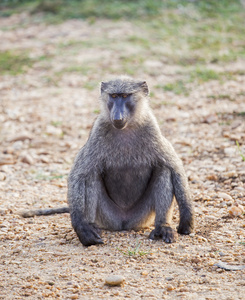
83, 194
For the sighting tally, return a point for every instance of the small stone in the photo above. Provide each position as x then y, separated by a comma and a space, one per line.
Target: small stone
219, 271
114, 280
230, 174
3, 212
2, 176
227, 267
21, 137
51, 130
236, 211
212, 177
9, 150
239, 188
18, 145
235, 137
169, 278
195, 260
6, 159
210, 119
229, 151
224, 196
193, 177
219, 168
74, 296
44, 159
169, 287
202, 239
183, 289
144, 273
26, 158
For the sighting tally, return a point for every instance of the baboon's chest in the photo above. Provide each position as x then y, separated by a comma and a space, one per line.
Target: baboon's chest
126, 185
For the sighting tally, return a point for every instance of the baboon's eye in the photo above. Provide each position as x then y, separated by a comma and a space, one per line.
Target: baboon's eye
125, 95
114, 95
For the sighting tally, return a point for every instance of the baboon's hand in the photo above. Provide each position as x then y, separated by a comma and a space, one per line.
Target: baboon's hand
88, 234
165, 232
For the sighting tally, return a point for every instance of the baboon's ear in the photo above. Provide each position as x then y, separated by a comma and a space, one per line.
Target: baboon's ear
143, 85
103, 86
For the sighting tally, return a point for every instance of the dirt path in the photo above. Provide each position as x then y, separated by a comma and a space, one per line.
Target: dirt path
45, 116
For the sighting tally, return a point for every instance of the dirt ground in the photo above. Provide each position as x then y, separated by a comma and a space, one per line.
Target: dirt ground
45, 116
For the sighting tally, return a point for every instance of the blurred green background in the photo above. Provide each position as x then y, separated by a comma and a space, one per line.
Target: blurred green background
191, 34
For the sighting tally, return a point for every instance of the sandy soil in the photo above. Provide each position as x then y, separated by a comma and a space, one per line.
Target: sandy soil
44, 122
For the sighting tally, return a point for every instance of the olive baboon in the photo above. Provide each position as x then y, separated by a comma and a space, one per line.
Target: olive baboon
127, 173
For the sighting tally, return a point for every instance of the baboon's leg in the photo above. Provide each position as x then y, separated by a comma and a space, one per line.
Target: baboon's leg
90, 207
83, 200
158, 198
182, 195
162, 195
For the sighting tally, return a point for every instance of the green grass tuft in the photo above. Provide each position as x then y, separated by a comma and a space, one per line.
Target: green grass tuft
135, 251
13, 64
240, 151
203, 75
178, 87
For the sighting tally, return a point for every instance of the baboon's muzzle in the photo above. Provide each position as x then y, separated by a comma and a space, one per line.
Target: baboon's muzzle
119, 124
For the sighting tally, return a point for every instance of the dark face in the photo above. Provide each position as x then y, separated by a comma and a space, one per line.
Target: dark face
121, 107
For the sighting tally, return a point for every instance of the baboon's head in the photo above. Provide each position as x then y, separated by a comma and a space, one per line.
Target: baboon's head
122, 97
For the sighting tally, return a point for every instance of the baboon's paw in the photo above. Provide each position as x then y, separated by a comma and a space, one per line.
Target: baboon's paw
88, 235
165, 233
185, 228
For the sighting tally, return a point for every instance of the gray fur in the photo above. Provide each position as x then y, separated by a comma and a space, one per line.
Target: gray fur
44, 212
121, 179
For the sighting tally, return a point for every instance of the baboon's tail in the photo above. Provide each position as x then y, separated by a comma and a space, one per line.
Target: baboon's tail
44, 212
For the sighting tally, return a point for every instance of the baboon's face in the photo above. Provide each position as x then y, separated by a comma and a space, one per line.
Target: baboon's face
121, 98
121, 107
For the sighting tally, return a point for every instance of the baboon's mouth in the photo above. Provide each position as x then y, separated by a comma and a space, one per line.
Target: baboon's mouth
119, 125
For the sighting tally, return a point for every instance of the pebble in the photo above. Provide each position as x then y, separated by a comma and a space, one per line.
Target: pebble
144, 273
44, 160
6, 159
169, 287
114, 280
18, 145
9, 150
2, 176
210, 119
169, 278
224, 196
212, 177
51, 130
183, 289
239, 188
230, 174
227, 267
26, 158
21, 137
193, 177
236, 211
229, 151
